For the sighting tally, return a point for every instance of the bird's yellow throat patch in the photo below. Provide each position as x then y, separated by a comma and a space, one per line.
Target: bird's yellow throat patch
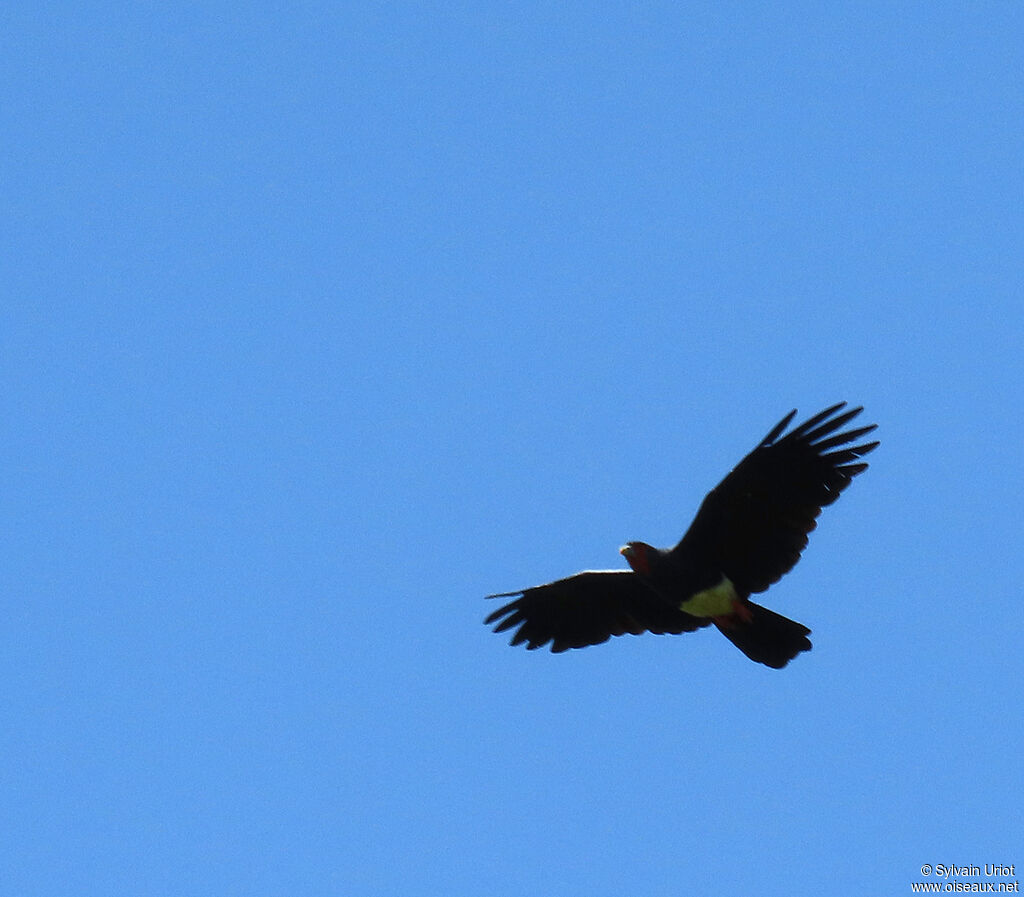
714, 602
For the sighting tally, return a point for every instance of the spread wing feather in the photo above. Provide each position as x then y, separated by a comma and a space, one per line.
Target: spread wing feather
754, 524
587, 609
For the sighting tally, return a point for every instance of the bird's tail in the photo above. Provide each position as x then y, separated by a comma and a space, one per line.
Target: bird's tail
766, 637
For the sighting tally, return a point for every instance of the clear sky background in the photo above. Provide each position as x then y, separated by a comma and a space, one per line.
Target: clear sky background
321, 321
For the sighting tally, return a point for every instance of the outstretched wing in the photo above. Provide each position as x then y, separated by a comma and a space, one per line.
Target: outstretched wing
754, 524
587, 609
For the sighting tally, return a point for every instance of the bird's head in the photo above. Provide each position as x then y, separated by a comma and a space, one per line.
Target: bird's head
638, 556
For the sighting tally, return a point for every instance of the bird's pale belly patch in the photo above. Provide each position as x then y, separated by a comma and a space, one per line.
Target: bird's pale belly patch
714, 602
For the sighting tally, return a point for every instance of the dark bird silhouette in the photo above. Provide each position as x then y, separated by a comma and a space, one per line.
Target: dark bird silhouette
748, 533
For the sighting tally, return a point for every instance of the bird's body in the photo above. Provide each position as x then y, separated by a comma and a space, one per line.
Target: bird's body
750, 531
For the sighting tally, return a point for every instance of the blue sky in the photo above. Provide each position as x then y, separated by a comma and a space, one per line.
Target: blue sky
322, 321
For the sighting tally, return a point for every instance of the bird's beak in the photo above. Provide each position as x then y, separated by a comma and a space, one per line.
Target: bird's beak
625, 551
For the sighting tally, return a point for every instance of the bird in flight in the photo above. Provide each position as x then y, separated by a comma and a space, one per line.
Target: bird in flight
748, 533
